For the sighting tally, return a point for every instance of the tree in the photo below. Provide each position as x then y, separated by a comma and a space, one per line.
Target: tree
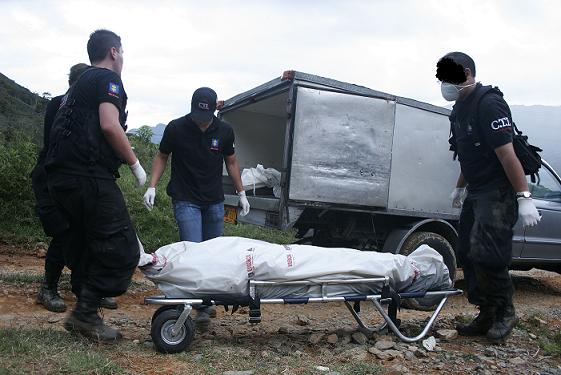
145, 134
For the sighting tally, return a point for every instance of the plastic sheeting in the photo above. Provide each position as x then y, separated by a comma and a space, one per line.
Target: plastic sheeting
253, 178
224, 266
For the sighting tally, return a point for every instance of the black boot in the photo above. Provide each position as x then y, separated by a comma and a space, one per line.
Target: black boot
85, 320
480, 325
504, 323
204, 314
109, 303
48, 296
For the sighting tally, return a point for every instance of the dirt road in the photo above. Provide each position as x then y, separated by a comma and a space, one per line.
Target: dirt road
300, 334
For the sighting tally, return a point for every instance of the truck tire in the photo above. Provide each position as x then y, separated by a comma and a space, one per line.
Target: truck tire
440, 244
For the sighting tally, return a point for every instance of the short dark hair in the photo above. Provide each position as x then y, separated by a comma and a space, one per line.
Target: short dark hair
76, 71
100, 42
451, 67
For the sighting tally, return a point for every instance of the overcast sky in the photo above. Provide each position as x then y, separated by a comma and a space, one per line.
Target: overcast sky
173, 47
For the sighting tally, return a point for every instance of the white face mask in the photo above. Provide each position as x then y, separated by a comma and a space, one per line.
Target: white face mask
451, 92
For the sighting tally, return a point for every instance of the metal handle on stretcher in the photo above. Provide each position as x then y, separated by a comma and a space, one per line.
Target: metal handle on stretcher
388, 321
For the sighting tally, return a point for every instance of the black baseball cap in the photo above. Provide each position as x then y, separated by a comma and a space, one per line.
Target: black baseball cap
451, 67
203, 104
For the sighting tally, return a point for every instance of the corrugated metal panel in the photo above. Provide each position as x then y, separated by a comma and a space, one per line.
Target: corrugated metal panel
422, 173
341, 148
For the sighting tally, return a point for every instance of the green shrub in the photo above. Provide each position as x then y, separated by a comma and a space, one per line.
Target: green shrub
156, 228
144, 149
17, 160
18, 221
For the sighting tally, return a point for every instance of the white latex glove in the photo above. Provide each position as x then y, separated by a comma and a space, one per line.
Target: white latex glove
244, 203
458, 196
149, 198
527, 212
138, 172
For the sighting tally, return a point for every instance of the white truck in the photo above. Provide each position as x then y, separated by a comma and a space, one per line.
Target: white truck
359, 168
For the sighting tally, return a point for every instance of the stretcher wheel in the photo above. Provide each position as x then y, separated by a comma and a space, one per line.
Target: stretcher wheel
161, 331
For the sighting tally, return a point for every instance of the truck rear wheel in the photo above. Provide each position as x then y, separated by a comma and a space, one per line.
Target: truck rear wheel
440, 244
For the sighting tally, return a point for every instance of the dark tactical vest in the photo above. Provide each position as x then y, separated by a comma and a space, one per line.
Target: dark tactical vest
77, 144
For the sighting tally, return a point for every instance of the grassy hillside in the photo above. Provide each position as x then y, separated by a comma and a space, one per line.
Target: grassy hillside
21, 111
21, 124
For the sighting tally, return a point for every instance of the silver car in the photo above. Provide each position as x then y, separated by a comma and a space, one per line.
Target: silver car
540, 246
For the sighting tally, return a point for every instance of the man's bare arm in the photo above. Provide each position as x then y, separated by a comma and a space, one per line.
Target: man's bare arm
233, 168
461, 181
512, 167
114, 133
158, 167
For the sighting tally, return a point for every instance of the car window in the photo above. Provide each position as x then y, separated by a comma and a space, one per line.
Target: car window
546, 186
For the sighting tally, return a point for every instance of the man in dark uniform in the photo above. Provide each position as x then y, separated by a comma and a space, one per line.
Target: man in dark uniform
481, 125
200, 144
51, 219
86, 147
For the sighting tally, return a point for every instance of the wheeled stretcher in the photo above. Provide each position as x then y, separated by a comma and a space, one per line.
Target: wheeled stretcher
254, 273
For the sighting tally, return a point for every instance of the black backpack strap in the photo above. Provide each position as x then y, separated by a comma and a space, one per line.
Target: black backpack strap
474, 110
526, 153
453, 147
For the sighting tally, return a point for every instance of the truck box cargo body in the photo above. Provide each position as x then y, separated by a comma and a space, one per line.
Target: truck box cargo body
344, 145
359, 167
343, 149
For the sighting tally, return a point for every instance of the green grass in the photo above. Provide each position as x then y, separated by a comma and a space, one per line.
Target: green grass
156, 228
552, 346
548, 339
259, 233
359, 368
21, 278
217, 358
47, 351
19, 224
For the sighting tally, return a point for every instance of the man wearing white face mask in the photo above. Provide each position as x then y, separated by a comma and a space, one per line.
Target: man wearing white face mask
491, 189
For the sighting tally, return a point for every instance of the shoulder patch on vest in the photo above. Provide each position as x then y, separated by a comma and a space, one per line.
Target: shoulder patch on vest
113, 89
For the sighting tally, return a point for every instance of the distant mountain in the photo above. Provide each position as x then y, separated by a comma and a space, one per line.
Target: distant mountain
157, 132
542, 124
21, 111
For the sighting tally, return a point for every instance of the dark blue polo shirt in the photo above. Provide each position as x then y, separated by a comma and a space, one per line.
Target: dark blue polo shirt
197, 159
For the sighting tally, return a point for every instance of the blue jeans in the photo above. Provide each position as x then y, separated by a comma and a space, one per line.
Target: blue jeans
199, 223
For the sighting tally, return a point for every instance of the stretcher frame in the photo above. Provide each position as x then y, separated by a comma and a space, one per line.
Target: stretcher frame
176, 333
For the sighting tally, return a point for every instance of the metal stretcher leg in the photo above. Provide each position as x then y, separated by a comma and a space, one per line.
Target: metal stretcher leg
182, 318
396, 330
362, 327
388, 322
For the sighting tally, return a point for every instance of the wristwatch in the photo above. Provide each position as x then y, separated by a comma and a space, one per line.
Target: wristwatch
523, 194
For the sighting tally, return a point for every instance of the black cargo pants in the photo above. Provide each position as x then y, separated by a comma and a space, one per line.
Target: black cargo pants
53, 223
485, 245
103, 250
